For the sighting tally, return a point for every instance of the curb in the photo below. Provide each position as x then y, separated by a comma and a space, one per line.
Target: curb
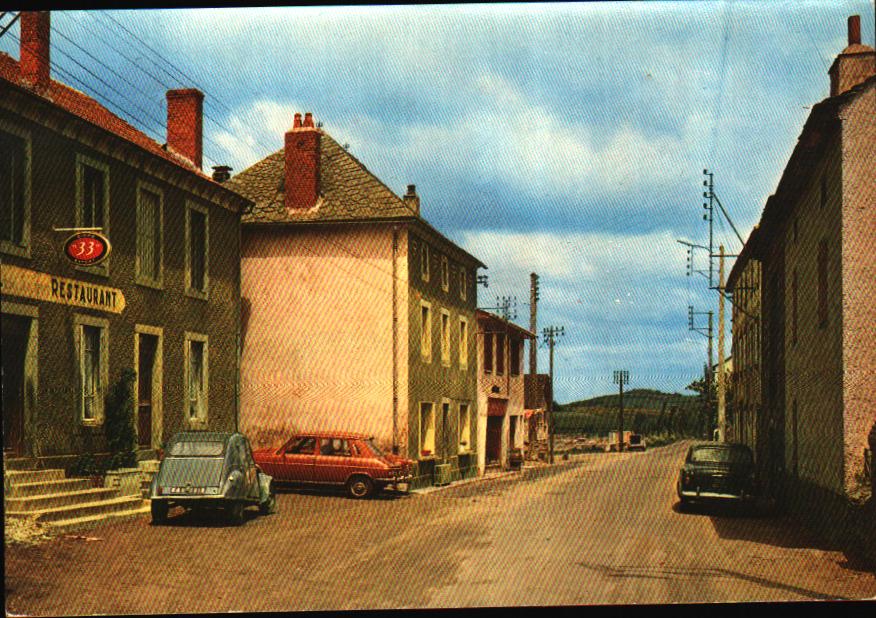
524, 474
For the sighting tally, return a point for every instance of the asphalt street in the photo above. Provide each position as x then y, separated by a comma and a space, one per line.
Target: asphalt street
604, 529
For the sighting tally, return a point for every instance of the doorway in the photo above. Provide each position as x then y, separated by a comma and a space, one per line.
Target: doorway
148, 354
15, 336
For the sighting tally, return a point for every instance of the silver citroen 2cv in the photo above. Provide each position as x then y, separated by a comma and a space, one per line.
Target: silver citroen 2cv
206, 469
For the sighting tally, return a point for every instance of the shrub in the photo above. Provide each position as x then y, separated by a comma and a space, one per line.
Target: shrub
119, 422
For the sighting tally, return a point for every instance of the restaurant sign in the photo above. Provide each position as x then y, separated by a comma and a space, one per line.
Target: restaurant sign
87, 248
26, 283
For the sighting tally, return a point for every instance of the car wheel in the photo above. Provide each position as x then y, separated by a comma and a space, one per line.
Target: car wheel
159, 511
235, 513
683, 503
269, 506
360, 487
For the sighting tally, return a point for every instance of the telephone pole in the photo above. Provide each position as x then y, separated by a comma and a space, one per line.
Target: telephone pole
722, 412
533, 322
621, 377
551, 333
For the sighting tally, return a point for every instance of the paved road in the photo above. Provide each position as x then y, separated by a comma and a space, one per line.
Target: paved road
602, 530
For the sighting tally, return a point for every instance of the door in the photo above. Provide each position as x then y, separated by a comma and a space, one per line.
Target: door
334, 462
145, 373
15, 336
298, 460
494, 439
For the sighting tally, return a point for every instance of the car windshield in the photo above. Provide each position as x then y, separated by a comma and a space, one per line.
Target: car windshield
717, 454
196, 449
374, 449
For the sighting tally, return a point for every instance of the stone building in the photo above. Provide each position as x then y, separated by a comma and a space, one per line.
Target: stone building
815, 243
358, 314
744, 283
501, 427
166, 301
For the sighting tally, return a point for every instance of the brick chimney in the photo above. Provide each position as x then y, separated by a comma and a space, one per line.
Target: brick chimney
35, 60
855, 63
185, 122
302, 150
412, 200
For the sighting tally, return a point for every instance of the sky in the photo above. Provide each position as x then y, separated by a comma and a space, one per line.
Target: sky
564, 139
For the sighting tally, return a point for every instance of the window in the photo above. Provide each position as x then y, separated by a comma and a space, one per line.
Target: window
463, 343
445, 337
427, 430
463, 283
197, 248
464, 428
196, 378
822, 284
92, 348
488, 352
445, 273
335, 447
424, 261
92, 201
515, 357
303, 446
794, 308
500, 354
149, 236
14, 190
426, 330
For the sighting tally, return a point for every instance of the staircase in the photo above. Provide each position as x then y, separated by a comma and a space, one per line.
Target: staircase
148, 469
62, 504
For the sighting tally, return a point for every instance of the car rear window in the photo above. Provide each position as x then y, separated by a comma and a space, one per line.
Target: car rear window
713, 454
197, 449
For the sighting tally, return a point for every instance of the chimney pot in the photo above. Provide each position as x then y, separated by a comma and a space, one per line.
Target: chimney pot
34, 51
296, 123
185, 123
855, 30
412, 200
308, 119
221, 173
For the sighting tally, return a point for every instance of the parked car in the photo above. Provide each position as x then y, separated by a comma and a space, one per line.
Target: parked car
717, 471
637, 442
351, 460
205, 469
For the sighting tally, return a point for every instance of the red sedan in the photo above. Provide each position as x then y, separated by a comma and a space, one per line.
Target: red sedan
335, 458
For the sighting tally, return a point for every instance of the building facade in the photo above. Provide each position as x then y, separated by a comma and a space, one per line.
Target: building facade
166, 301
357, 314
816, 239
744, 283
501, 427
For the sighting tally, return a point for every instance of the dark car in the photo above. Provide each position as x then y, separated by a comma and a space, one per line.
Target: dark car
205, 469
717, 471
351, 460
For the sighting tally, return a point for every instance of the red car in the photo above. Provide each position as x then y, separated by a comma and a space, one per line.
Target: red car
335, 458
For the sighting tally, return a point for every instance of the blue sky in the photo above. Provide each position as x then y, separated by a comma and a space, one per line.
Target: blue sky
564, 139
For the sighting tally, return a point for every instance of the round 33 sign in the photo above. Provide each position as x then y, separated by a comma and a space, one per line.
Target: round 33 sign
87, 248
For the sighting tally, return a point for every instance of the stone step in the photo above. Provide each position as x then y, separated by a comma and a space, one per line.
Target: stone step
42, 488
17, 477
78, 524
149, 465
66, 498
19, 463
86, 509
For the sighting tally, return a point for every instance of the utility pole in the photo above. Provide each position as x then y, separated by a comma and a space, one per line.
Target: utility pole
707, 370
533, 322
722, 412
621, 377
551, 333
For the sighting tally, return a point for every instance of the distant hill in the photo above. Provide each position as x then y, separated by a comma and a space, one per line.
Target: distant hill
637, 398
645, 410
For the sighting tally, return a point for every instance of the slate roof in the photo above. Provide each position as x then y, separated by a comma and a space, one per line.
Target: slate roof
86, 108
348, 191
